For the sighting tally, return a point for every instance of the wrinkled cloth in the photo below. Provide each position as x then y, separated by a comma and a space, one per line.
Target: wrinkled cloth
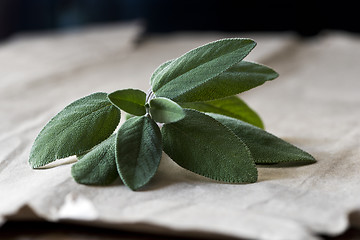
314, 104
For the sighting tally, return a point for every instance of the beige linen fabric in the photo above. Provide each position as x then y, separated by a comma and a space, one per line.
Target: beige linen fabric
314, 104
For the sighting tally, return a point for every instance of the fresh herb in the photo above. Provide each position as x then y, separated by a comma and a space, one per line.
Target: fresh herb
205, 127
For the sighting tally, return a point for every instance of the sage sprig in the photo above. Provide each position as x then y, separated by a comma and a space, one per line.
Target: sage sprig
191, 112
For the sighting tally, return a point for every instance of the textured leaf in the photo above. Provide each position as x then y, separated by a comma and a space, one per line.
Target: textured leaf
163, 110
203, 145
130, 100
158, 70
231, 106
264, 147
97, 167
184, 77
239, 78
138, 151
76, 129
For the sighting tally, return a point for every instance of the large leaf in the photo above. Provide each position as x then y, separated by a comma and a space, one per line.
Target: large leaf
130, 100
203, 145
97, 167
138, 151
264, 147
239, 78
231, 106
163, 110
181, 79
158, 70
76, 129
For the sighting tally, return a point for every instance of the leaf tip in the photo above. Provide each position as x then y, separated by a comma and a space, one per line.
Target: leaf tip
33, 161
32, 164
309, 159
253, 177
250, 41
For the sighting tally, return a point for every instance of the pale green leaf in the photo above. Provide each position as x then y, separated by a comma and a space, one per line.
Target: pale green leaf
231, 106
138, 151
203, 145
130, 100
128, 116
163, 110
265, 147
76, 129
182, 77
97, 167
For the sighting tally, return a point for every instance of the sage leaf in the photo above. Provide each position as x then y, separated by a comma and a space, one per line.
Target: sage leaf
204, 146
158, 70
138, 151
97, 167
163, 110
265, 147
76, 129
186, 76
237, 79
231, 106
242, 77
130, 100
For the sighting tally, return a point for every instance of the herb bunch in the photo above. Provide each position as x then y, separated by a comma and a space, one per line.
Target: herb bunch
192, 113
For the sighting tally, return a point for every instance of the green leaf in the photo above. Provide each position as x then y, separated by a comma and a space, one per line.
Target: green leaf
158, 70
138, 151
239, 78
242, 77
163, 110
130, 100
265, 147
231, 106
184, 77
97, 167
203, 145
76, 129
128, 116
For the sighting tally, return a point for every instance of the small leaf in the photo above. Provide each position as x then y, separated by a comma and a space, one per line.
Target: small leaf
130, 100
76, 129
163, 110
265, 147
97, 167
138, 151
182, 77
203, 145
231, 106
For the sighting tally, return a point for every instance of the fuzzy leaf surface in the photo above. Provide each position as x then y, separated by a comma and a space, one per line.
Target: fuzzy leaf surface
138, 151
265, 147
130, 100
163, 110
239, 78
204, 146
97, 167
231, 106
76, 129
185, 79
158, 70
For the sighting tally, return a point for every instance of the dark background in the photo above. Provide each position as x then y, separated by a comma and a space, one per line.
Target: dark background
307, 18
